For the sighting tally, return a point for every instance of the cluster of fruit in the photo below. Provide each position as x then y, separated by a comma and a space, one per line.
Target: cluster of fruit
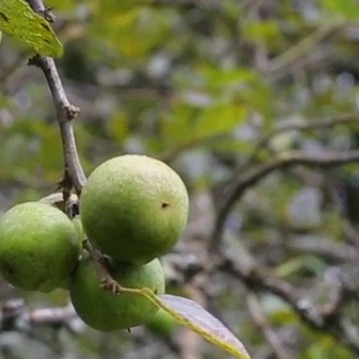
133, 209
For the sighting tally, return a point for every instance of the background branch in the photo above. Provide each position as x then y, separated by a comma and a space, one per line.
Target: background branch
250, 178
344, 119
254, 306
257, 278
301, 48
15, 316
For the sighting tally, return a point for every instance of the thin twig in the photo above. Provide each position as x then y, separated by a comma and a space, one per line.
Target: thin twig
261, 321
348, 228
6, 73
325, 248
66, 112
259, 279
304, 46
250, 178
14, 312
339, 120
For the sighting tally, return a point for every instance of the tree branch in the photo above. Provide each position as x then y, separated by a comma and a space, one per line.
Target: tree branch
15, 314
326, 318
66, 112
251, 177
257, 314
304, 46
264, 140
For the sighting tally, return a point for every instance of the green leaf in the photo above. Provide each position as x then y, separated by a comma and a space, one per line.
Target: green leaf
118, 127
193, 316
348, 9
142, 29
178, 126
219, 119
18, 20
262, 30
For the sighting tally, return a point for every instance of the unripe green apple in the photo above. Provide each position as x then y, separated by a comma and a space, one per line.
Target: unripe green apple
79, 229
39, 246
162, 324
134, 208
102, 310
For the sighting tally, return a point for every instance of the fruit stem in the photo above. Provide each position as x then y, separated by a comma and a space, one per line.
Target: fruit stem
100, 261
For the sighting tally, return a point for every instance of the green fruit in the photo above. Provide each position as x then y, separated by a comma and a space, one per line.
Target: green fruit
79, 229
134, 208
162, 324
64, 284
39, 246
105, 311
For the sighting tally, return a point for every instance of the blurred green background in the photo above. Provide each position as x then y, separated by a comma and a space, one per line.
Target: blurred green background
200, 84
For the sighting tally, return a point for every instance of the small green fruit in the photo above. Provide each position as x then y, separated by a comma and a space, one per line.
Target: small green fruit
105, 311
162, 324
38, 246
134, 208
79, 229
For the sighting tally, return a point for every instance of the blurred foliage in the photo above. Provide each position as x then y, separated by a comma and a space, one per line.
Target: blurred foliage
199, 84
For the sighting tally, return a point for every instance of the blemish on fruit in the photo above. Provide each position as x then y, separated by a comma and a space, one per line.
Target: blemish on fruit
164, 205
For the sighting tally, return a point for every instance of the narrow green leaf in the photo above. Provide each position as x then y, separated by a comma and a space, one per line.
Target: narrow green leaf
193, 316
18, 20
